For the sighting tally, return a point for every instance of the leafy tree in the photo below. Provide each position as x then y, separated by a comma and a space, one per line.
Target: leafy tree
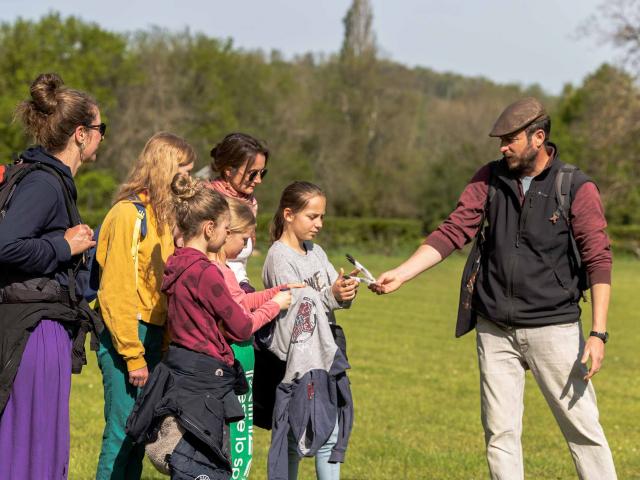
84, 55
599, 130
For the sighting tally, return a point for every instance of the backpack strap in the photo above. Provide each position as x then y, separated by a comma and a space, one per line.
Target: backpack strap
22, 170
564, 178
74, 219
480, 237
12, 175
139, 232
491, 192
563, 186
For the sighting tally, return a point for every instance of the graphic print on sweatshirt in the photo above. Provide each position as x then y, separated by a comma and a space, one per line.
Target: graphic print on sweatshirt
316, 281
305, 322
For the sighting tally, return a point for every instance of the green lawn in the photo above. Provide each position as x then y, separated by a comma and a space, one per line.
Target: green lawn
415, 389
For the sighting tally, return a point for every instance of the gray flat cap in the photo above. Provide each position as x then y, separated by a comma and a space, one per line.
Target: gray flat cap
517, 116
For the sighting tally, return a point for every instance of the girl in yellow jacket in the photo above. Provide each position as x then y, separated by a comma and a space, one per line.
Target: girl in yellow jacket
129, 298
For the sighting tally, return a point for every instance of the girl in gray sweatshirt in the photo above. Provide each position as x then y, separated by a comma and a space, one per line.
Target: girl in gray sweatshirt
313, 411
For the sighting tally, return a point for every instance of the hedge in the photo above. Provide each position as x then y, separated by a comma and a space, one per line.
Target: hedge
388, 235
625, 239
372, 235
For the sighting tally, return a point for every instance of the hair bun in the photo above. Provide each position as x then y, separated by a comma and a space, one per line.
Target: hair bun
44, 90
185, 187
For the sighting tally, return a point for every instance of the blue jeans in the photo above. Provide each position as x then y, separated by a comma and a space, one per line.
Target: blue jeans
324, 469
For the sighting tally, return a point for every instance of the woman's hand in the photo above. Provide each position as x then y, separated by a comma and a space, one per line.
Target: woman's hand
283, 299
345, 289
79, 238
139, 377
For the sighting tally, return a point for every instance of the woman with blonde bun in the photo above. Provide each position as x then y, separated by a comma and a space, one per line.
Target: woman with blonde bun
129, 298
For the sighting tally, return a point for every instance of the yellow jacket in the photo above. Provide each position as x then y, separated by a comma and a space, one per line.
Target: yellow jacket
126, 296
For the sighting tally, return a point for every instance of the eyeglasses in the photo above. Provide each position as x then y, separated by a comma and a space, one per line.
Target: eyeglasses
253, 174
102, 128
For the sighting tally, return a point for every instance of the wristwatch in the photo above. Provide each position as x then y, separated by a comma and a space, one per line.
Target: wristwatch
604, 336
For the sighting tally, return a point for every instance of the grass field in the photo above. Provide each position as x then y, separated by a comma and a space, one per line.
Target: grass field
416, 391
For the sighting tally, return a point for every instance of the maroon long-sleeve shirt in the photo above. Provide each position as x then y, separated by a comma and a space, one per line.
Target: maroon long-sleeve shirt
198, 299
587, 220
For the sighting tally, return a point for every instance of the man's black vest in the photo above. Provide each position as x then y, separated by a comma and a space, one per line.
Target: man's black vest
527, 273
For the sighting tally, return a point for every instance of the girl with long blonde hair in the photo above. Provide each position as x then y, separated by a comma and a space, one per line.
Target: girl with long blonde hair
134, 310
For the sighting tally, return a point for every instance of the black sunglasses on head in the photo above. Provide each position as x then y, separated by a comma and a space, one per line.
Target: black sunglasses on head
252, 175
102, 128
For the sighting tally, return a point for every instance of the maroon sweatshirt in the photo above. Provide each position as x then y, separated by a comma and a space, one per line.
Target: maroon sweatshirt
587, 221
198, 299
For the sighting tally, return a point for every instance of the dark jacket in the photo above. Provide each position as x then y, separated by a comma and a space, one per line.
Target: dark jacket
36, 264
309, 407
18, 320
32, 240
527, 276
201, 392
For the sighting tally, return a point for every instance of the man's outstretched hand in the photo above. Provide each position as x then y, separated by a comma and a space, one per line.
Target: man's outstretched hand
386, 283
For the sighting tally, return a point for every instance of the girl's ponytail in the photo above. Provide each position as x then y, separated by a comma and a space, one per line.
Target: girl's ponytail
295, 196
277, 225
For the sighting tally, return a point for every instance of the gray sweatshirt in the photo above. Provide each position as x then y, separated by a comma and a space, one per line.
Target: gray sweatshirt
301, 335
314, 393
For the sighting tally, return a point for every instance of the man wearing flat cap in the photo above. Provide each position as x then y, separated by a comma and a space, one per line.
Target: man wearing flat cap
538, 229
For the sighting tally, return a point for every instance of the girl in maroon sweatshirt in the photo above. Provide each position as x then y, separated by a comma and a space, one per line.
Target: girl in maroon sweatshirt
202, 313
191, 395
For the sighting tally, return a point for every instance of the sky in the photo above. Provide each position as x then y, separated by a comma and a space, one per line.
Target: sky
507, 41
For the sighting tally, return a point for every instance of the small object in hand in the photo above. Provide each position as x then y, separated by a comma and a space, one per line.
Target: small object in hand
357, 279
369, 279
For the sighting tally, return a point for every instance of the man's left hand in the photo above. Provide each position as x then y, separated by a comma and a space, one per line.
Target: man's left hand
594, 348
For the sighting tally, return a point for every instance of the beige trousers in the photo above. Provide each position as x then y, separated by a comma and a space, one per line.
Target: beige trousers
552, 353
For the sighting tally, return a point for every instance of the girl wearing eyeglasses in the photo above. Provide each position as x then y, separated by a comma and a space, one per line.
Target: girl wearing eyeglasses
240, 162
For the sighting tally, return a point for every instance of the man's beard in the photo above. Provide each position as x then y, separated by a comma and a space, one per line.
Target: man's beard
521, 165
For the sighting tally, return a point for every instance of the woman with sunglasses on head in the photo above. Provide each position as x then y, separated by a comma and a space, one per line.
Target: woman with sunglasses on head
43, 319
240, 162
134, 310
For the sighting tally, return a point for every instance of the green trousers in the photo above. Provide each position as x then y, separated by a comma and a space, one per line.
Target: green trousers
241, 433
119, 458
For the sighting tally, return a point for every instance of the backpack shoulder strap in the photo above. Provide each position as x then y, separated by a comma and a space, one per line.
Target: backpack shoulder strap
20, 170
139, 232
491, 192
12, 175
564, 178
142, 214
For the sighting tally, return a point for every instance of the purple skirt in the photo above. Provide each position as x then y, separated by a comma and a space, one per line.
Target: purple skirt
34, 427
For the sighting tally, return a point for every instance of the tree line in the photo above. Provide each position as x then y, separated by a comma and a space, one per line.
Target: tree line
382, 139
